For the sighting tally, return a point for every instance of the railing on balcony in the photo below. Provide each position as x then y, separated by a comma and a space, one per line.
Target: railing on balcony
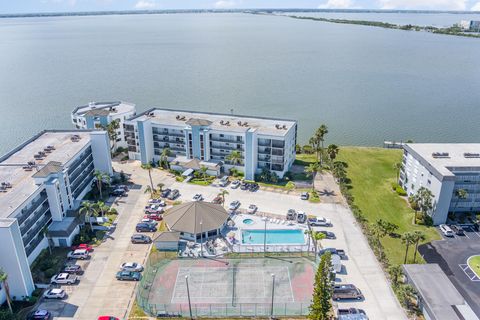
226, 147
25, 213
168, 133
265, 151
74, 175
226, 140
77, 162
29, 249
40, 225
32, 219
81, 184
264, 143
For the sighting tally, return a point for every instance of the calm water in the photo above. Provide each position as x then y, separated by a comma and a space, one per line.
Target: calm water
366, 84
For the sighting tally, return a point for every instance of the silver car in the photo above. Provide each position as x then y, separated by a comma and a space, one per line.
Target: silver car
131, 266
54, 294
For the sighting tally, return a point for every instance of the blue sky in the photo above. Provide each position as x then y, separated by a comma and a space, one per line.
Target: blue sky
25, 6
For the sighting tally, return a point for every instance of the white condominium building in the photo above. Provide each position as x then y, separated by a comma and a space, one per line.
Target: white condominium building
210, 137
99, 114
443, 168
41, 182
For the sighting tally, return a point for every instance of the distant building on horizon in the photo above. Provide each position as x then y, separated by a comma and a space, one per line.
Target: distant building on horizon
443, 168
209, 138
42, 182
97, 115
470, 25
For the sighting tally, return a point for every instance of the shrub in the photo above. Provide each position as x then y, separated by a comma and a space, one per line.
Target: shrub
49, 273
395, 186
125, 158
176, 203
179, 179
290, 185
399, 190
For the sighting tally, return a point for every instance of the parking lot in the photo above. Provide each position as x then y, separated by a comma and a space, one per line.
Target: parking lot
452, 254
99, 293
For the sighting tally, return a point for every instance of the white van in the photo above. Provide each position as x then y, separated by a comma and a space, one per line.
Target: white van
447, 232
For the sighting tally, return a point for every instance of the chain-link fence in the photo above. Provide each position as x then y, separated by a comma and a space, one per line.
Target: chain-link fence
216, 293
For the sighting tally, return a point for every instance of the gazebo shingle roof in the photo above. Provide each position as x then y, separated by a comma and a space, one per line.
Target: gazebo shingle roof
187, 217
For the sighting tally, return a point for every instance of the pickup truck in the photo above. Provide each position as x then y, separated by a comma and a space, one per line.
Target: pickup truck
64, 278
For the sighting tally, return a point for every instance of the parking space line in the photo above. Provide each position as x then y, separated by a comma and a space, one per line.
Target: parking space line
469, 272
466, 235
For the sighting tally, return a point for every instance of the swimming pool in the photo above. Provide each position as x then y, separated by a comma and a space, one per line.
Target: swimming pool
280, 236
247, 221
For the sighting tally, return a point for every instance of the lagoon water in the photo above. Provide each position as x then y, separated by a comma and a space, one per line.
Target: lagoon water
367, 84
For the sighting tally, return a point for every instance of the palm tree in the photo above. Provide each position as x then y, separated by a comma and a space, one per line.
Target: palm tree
111, 129
222, 194
321, 133
339, 170
308, 232
395, 272
149, 167
101, 207
149, 189
88, 209
164, 157
101, 178
3, 280
407, 239
418, 236
459, 194
378, 229
397, 166
203, 172
311, 171
423, 200
317, 236
332, 151
235, 157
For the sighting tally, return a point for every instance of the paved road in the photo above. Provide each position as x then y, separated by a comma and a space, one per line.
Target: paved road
98, 292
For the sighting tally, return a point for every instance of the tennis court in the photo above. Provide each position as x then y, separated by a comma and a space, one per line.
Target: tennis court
233, 286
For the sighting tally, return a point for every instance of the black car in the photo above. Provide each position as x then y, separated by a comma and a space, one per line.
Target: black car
165, 193
458, 230
145, 227
72, 269
174, 194
39, 315
341, 312
328, 234
339, 252
140, 238
253, 187
244, 186
118, 193
291, 214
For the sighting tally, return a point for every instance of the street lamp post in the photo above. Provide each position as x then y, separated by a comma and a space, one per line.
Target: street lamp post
189, 302
265, 238
201, 238
273, 293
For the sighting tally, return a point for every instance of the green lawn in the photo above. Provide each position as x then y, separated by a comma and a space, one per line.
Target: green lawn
474, 264
371, 172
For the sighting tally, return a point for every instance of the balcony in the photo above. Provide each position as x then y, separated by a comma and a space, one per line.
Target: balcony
168, 133
265, 151
278, 143
263, 158
277, 152
226, 147
31, 220
77, 162
40, 225
226, 140
29, 249
264, 143
27, 212
75, 173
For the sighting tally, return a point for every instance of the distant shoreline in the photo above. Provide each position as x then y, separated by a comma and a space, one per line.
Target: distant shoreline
268, 11
452, 31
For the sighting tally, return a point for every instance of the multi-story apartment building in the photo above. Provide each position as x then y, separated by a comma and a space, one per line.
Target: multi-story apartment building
443, 168
41, 182
210, 137
99, 114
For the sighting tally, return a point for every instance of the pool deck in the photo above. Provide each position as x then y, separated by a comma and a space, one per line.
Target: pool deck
259, 224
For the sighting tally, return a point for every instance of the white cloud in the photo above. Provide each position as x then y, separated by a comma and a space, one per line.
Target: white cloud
145, 4
424, 4
225, 4
476, 7
337, 4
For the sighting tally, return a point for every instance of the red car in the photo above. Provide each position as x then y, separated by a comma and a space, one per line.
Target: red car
84, 246
153, 216
107, 318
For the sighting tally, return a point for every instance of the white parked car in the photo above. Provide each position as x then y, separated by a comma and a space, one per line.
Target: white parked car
78, 254
235, 184
319, 222
447, 232
64, 278
149, 221
54, 294
197, 197
234, 205
252, 209
131, 266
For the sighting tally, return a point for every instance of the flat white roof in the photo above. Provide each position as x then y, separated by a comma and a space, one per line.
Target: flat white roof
22, 181
216, 121
114, 107
441, 156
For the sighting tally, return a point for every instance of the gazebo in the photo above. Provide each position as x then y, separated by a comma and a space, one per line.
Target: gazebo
196, 220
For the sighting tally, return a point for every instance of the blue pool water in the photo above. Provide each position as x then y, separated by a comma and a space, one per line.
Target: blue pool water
290, 236
248, 221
